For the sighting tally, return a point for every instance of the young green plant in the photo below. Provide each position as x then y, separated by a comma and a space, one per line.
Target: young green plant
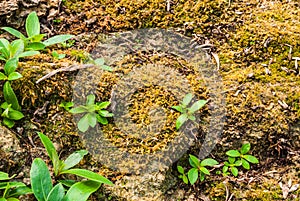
93, 112
187, 113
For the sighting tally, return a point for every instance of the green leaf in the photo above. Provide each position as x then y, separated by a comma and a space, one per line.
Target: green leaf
180, 169
67, 182
15, 115
225, 169
32, 24
40, 179
197, 106
92, 120
74, 159
245, 164
37, 38
99, 61
107, 68
13, 184
185, 179
90, 99
14, 76
20, 190
2, 76
180, 120
187, 99
10, 96
178, 108
9, 123
193, 175
78, 110
10, 66
28, 54
35, 46
233, 153
192, 117
57, 193
245, 148
105, 113
81, 191
202, 176
251, 159
83, 123
238, 163
204, 170
16, 48
4, 45
234, 171
89, 175
13, 32
4, 176
102, 120
51, 152
57, 39
231, 160
103, 105
194, 161
209, 162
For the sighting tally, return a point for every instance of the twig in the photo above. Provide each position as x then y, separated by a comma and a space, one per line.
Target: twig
68, 69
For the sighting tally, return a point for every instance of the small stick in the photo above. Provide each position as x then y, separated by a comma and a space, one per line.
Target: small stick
68, 69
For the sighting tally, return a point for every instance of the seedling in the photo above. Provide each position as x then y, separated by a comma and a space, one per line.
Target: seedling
93, 112
187, 113
198, 167
58, 56
66, 105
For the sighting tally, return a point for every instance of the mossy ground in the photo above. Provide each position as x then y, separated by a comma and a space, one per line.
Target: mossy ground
255, 41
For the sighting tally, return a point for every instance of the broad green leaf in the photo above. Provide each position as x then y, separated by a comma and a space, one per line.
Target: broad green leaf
225, 169
57, 193
245, 164
89, 175
15, 115
28, 54
40, 179
32, 25
234, 171
35, 46
192, 117
4, 176
13, 32
1, 57
107, 68
204, 170
74, 159
178, 108
67, 183
245, 148
103, 105
194, 161
13, 184
105, 113
238, 163
10, 96
92, 120
2, 76
187, 99
231, 160
101, 120
16, 48
4, 45
193, 175
180, 120
20, 190
90, 99
251, 159
209, 162
4, 105
99, 61
78, 110
9, 123
10, 66
185, 179
12, 199
51, 152
197, 106
81, 191
14, 76
233, 153
83, 123
180, 169
202, 176
57, 39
